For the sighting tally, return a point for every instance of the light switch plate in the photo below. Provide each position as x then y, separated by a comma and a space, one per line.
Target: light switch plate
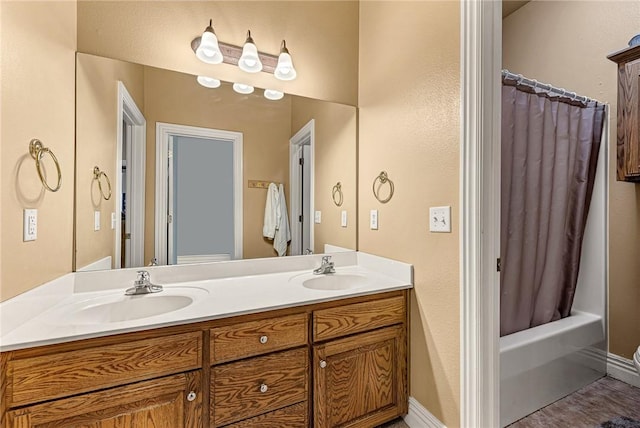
96, 220
373, 219
343, 218
113, 221
30, 225
440, 219
318, 217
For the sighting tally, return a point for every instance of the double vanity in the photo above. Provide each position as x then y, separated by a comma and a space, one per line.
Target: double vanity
251, 343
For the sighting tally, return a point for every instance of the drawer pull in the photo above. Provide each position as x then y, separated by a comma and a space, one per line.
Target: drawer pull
323, 364
264, 339
264, 388
191, 396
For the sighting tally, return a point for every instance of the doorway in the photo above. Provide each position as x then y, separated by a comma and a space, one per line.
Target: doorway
130, 182
198, 194
301, 167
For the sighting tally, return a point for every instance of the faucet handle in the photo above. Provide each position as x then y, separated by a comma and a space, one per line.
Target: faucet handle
143, 277
326, 259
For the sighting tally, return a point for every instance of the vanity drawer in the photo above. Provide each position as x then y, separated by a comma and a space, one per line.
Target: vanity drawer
255, 386
252, 338
358, 317
295, 416
63, 374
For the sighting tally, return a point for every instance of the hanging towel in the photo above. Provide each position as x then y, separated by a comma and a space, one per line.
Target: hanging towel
283, 232
271, 212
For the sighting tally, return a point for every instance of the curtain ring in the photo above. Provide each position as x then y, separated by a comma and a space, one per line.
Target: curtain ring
383, 178
37, 151
97, 175
336, 194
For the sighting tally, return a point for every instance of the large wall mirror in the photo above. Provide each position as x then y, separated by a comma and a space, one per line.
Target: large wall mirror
171, 171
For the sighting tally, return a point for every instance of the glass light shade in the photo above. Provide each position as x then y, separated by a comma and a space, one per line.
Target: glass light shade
208, 51
285, 70
249, 60
272, 94
209, 82
241, 88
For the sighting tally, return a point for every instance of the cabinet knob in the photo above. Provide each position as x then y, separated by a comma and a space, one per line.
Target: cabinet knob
264, 339
191, 396
323, 364
264, 388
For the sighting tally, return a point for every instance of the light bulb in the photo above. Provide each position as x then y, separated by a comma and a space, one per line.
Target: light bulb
241, 88
209, 82
272, 94
208, 51
285, 70
249, 60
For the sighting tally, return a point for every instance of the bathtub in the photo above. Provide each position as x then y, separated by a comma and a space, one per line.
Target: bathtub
543, 364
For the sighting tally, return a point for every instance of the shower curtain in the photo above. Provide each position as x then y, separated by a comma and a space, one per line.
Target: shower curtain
550, 150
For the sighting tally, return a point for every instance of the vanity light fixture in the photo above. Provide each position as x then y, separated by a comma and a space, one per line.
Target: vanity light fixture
285, 70
208, 50
272, 94
249, 60
209, 82
241, 88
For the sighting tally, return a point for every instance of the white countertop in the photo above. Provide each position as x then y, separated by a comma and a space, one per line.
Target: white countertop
45, 315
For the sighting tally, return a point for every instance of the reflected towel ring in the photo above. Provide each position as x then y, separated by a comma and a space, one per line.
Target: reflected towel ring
37, 151
336, 194
383, 178
97, 175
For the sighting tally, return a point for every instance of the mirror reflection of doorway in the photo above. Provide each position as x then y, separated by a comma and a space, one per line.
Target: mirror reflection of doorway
301, 167
198, 194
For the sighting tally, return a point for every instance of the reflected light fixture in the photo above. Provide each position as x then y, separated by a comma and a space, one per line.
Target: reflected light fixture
284, 70
209, 82
249, 60
241, 88
209, 51
272, 94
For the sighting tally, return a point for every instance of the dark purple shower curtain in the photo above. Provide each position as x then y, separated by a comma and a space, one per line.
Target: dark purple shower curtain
549, 156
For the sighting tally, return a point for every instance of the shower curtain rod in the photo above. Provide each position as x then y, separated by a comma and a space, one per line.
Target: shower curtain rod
520, 79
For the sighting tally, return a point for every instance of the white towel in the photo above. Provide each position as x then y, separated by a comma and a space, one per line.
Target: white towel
283, 232
271, 212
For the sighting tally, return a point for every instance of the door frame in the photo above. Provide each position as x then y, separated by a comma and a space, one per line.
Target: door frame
128, 111
295, 142
164, 131
480, 64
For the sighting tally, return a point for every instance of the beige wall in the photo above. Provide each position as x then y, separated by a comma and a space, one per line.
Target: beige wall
97, 110
409, 95
322, 37
266, 127
38, 44
335, 160
538, 43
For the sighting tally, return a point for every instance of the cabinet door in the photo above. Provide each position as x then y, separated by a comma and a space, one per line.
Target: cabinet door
361, 381
628, 144
171, 402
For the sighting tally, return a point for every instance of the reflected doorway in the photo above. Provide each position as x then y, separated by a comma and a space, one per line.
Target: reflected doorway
301, 167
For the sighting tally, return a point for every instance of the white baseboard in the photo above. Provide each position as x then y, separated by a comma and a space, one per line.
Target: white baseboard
420, 417
622, 369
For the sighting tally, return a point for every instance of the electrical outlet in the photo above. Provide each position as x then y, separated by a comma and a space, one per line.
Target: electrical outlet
96, 221
30, 225
343, 218
373, 219
440, 219
113, 221
318, 217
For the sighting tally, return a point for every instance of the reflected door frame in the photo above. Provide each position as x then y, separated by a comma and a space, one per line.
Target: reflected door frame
296, 143
129, 112
164, 133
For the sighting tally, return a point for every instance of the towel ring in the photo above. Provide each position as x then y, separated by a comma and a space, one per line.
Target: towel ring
383, 178
97, 175
37, 151
336, 194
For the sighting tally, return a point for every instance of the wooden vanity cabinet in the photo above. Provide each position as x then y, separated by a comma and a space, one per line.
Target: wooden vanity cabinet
628, 128
360, 380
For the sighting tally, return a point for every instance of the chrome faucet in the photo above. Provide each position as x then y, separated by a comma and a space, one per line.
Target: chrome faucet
326, 267
143, 285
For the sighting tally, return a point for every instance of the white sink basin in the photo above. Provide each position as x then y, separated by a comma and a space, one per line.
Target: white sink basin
114, 307
336, 281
